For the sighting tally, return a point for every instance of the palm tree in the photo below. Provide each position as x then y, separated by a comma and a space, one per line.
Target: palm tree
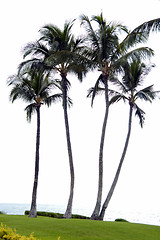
62, 53
33, 87
108, 55
134, 74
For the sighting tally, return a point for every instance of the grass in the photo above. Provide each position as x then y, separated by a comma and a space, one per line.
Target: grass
46, 228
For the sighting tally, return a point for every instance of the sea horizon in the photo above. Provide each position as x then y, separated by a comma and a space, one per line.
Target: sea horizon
149, 217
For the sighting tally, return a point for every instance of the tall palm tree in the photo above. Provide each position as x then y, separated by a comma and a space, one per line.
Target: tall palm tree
134, 74
108, 55
62, 53
33, 87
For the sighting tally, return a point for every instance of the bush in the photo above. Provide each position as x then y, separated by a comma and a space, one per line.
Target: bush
1, 212
56, 215
8, 234
120, 220
80, 216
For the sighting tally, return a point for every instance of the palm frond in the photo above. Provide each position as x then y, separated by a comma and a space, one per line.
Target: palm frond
135, 73
133, 38
21, 90
117, 98
147, 94
92, 37
68, 84
99, 91
149, 26
140, 34
35, 49
53, 99
56, 38
30, 110
12, 80
45, 83
34, 87
69, 101
92, 92
33, 65
81, 68
140, 113
137, 54
115, 81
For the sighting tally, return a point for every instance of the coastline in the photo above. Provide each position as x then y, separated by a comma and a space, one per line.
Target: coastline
150, 217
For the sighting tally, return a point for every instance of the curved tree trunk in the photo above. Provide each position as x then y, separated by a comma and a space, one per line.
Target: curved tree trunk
96, 211
110, 193
68, 213
33, 209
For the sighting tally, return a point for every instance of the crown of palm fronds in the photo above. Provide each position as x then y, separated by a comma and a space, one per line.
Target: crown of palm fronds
135, 73
35, 88
103, 41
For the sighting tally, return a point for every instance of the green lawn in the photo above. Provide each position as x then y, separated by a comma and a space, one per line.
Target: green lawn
46, 228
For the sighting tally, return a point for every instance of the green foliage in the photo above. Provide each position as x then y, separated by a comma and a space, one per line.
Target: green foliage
8, 234
79, 216
120, 220
33, 87
56, 215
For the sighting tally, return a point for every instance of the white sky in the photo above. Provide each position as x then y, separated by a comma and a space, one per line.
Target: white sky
138, 186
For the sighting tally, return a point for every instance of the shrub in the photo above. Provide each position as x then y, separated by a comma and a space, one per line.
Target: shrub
1, 212
120, 220
80, 216
8, 234
56, 215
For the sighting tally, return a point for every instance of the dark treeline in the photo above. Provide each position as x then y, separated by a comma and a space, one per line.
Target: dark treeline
119, 63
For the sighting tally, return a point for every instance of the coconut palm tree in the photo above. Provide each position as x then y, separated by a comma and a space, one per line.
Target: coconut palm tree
60, 52
134, 74
108, 54
33, 87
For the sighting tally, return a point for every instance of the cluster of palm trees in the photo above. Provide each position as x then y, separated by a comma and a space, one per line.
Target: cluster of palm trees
120, 64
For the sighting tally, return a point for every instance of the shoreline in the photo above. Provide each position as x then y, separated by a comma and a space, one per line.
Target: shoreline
143, 217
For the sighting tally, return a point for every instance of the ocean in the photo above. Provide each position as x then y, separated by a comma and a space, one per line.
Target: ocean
149, 217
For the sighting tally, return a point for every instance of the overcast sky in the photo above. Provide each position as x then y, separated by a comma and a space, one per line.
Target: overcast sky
139, 183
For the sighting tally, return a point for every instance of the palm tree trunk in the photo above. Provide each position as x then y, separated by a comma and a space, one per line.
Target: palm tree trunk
68, 212
110, 193
96, 211
33, 209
